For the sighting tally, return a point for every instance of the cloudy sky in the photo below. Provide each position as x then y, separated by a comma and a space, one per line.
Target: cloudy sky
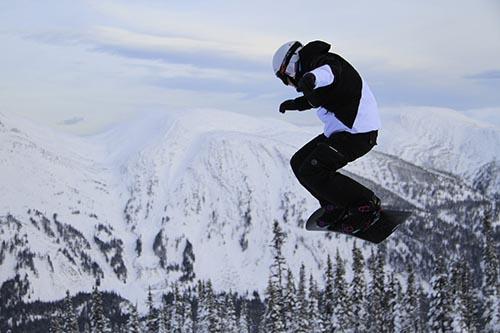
82, 65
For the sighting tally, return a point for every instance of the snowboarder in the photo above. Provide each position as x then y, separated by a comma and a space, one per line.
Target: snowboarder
347, 107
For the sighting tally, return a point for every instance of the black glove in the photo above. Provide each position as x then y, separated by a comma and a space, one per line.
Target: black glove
289, 104
307, 83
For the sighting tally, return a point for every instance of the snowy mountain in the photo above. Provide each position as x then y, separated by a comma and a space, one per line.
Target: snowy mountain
446, 140
193, 194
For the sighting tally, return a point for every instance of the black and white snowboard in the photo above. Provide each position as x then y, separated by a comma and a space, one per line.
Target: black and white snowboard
388, 222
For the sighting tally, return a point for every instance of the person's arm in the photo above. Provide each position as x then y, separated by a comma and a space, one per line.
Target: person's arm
317, 78
323, 76
297, 104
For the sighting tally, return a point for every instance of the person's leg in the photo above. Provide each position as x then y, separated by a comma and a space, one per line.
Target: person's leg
299, 158
353, 146
318, 170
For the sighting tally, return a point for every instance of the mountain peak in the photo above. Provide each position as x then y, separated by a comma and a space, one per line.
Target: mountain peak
439, 138
126, 205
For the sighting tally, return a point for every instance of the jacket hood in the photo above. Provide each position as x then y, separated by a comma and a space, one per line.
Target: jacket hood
312, 50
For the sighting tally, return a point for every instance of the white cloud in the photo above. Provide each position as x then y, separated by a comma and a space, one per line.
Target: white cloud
72, 121
487, 115
108, 59
237, 30
149, 42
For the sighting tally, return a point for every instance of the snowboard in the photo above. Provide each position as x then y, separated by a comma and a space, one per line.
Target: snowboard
389, 220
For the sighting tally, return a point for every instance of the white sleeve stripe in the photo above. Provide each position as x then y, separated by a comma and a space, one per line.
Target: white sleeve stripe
324, 76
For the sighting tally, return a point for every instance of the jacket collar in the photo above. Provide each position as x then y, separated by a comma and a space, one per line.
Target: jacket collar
311, 51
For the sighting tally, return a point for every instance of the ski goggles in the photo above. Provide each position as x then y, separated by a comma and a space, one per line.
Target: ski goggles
281, 73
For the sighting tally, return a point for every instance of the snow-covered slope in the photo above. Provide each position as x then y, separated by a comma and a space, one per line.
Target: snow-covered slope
58, 187
186, 195
445, 140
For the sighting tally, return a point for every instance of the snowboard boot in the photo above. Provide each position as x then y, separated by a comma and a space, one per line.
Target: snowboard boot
362, 216
331, 215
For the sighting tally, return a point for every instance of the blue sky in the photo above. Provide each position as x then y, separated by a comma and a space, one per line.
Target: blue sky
83, 65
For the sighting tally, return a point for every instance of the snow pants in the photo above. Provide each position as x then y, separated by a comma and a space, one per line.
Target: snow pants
315, 165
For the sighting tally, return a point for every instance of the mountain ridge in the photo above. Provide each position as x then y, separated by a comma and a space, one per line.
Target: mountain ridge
195, 191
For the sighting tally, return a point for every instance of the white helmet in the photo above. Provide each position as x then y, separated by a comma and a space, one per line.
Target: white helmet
285, 61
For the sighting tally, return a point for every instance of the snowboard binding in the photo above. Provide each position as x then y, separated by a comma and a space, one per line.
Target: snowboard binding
349, 220
366, 221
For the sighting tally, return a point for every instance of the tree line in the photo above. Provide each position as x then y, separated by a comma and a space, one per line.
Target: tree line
372, 299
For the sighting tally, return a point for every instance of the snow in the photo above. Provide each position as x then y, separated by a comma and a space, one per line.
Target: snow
439, 138
155, 163
213, 178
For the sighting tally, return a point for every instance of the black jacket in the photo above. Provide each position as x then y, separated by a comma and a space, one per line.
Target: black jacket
342, 97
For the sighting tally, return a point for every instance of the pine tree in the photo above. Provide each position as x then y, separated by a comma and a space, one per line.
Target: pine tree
56, 324
458, 305
187, 320
329, 296
176, 311
423, 300
214, 324
302, 302
440, 310
290, 305
469, 298
341, 304
491, 286
376, 298
398, 306
70, 322
231, 325
207, 316
357, 292
391, 302
278, 266
164, 316
221, 312
490, 260
202, 314
99, 323
275, 311
133, 323
151, 323
270, 300
316, 319
410, 306
244, 320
